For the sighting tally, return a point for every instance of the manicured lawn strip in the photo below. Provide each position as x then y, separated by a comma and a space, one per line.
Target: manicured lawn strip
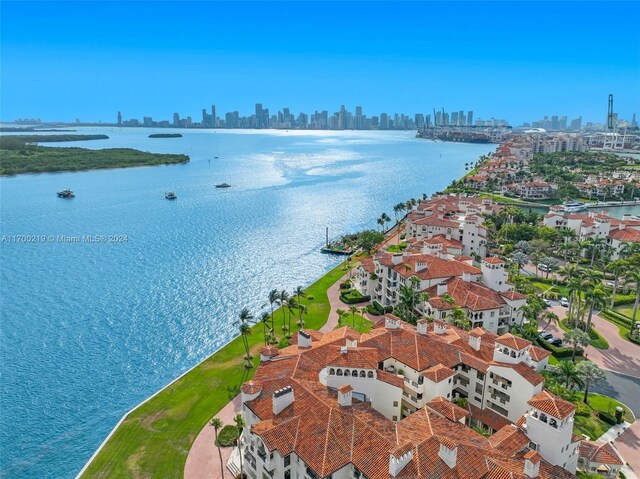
155, 439
625, 310
397, 248
362, 324
593, 426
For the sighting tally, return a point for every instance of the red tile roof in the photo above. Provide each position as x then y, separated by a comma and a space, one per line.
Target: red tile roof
446, 408
627, 235
513, 342
438, 373
600, 452
551, 404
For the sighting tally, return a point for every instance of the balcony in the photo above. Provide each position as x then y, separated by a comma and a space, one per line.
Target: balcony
412, 384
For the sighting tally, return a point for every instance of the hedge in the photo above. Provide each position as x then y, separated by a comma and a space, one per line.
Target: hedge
372, 311
608, 418
381, 309
617, 318
624, 299
559, 352
345, 285
227, 436
352, 296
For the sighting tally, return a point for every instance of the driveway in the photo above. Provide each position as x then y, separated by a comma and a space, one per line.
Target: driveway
622, 356
625, 389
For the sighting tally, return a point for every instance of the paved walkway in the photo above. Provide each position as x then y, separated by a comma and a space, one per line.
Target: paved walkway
628, 445
333, 293
622, 356
203, 461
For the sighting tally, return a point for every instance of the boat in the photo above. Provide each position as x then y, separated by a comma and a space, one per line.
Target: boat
223, 185
170, 195
66, 194
572, 206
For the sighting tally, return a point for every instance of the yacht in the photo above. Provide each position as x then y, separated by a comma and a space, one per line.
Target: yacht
223, 185
170, 195
66, 194
572, 206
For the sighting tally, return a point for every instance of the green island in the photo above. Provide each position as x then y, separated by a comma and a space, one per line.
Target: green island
19, 155
154, 440
165, 135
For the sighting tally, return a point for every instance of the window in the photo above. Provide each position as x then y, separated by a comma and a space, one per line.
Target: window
449, 380
395, 403
332, 371
363, 374
370, 374
395, 418
354, 373
493, 313
339, 372
480, 376
287, 461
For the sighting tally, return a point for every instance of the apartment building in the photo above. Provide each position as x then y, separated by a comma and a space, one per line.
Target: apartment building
379, 405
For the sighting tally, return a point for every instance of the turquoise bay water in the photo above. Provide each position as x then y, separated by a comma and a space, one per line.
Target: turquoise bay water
88, 330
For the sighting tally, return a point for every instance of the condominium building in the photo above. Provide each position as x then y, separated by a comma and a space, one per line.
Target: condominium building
379, 405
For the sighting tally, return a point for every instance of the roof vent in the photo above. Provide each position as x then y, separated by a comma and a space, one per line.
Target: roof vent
282, 398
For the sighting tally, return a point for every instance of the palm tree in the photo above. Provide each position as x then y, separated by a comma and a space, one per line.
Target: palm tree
362, 312
596, 245
283, 297
240, 424
595, 297
459, 319
549, 317
245, 330
303, 310
385, 219
218, 424
567, 372
633, 276
264, 319
380, 221
590, 373
290, 304
576, 337
353, 310
274, 296
340, 313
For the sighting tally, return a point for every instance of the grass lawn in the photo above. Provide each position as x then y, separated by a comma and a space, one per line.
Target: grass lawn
502, 199
557, 290
155, 439
362, 324
626, 310
397, 248
593, 426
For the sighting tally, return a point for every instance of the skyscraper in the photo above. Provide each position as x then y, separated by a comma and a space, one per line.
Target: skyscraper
470, 118
119, 119
214, 118
176, 119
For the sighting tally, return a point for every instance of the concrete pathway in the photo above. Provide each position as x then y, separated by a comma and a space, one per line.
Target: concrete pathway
628, 445
333, 293
203, 461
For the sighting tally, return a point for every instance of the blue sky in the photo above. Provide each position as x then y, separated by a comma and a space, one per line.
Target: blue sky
514, 60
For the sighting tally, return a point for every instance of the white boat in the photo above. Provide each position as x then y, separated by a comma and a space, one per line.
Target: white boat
572, 206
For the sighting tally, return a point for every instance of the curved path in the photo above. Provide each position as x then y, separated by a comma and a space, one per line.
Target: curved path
203, 461
622, 356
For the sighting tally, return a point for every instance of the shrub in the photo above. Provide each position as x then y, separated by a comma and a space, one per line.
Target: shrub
582, 409
381, 309
345, 285
608, 418
353, 296
227, 436
559, 352
624, 299
372, 311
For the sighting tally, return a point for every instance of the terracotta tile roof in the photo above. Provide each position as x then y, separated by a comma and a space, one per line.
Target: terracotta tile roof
551, 404
269, 351
538, 354
392, 379
446, 408
467, 294
627, 235
600, 452
438, 373
513, 295
493, 260
345, 388
528, 373
434, 267
477, 332
533, 456
513, 342
509, 440
488, 417
358, 357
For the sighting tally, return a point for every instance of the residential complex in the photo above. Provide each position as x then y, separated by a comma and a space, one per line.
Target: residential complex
613, 232
380, 405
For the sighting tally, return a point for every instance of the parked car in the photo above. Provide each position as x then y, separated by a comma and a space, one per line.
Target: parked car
543, 267
556, 342
564, 302
545, 336
547, 301
609, 283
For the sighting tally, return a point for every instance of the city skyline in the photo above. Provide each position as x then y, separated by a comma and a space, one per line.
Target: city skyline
400, 57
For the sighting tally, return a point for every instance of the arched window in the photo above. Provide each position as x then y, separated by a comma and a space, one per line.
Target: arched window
513, 354
339, 372
370, 374
347, 372
363, 374
354, 373
332, 371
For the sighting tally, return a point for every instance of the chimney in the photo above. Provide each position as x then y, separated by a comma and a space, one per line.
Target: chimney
352, 343
396, 258
439, 327
466, 277
531, 464
420, 265
282, 398
344, 350
475, 339
391, 323
448, 452
399, 459
304, 339
441, 289
344, 395
423, 325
